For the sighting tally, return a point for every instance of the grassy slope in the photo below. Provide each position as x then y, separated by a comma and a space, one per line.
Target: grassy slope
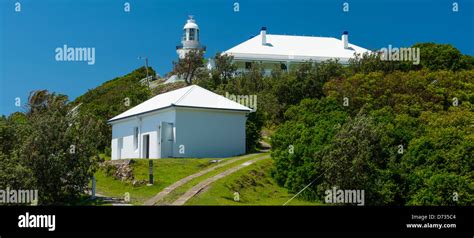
163, 176
255, 187
185, 187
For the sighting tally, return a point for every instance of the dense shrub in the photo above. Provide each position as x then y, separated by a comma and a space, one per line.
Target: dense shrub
404, 137
299, 143
54, 151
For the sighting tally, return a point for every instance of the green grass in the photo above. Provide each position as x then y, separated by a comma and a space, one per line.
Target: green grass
165, 171
255, 187
175, 194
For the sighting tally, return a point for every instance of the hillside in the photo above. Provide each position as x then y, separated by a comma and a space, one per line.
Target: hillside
112, 98
116, 95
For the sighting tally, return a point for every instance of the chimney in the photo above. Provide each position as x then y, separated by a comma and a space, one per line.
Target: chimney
345, 39
263, 34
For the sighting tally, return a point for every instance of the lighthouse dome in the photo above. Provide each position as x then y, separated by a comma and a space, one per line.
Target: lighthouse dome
191, 24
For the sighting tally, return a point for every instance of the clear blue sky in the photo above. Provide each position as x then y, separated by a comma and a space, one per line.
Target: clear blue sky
28, 39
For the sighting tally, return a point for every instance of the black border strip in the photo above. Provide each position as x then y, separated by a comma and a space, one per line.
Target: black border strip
236, 218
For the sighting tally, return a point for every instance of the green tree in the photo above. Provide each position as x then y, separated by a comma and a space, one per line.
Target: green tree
187, 67
440, 57
60, 149
224, 68
358, 159
439, 162
253, 130
299, 143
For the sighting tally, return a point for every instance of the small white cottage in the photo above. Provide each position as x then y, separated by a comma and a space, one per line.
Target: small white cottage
187, 122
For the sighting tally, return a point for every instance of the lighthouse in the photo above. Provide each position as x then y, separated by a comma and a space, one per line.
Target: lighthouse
190, 39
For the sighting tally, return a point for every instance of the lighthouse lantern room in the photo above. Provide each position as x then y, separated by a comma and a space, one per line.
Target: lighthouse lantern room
190, 39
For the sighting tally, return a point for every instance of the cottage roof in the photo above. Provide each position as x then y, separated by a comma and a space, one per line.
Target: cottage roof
192, 96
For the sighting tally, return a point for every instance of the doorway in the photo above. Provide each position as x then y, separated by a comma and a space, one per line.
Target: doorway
146, 146
167, 139
119, 148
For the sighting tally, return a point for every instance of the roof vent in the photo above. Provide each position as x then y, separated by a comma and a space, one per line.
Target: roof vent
345, 39
263, 34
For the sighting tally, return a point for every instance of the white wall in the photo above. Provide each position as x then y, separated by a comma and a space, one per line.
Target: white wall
148, 125
209, 133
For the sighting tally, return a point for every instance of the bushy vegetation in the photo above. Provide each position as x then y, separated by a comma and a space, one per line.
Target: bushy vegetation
405, 136
48, 148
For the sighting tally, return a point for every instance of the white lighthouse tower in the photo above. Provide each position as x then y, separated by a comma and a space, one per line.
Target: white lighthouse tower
190, 39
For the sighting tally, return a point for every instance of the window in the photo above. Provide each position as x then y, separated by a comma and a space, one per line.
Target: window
135, 138
197, 34
248, 65
192, 34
